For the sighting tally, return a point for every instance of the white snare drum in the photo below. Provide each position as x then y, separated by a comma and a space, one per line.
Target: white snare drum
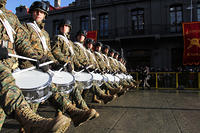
85, 79
98, 78
105, 79
117, 79
34, 85
110, 77
120, 76
64, 81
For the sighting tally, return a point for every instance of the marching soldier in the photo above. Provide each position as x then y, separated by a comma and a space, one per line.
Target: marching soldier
63, 51
14, 38
96, 90
40, 41
82, 61
104, 68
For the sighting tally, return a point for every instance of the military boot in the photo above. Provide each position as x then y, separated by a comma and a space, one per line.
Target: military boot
113, 91
107, 98
96, 114
79, 116
95, 100
122, 91
34, 123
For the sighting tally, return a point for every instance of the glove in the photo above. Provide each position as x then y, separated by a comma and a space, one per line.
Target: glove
90, 69
56, 66
97, 71
35, 63
43, 59
45, 68
69, 67
3, 53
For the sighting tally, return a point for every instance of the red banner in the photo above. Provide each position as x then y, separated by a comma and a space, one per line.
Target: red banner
92, 35
191, 34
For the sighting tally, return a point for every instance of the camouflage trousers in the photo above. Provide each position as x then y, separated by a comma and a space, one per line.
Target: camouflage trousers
11, 96
76, 96
95, 90
124, 83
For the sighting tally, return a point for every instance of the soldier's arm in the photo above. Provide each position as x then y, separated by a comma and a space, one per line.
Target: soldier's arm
22, 43
56, 50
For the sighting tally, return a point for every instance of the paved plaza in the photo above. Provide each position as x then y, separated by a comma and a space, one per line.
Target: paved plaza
138, 112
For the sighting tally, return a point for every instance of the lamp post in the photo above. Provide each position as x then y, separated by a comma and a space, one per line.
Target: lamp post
91, 23
190, 8
191, 11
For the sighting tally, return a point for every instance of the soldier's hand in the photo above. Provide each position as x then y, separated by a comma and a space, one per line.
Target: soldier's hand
3, 53
45, 68
69, 67
43, 59
36, 63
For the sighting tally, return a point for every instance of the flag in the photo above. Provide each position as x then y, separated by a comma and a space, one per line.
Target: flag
92, 35
191, 35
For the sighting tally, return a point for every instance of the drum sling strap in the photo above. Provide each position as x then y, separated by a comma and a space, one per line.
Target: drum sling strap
99, 55
10, 31
107, 60
84, 50
40, 35
67, 42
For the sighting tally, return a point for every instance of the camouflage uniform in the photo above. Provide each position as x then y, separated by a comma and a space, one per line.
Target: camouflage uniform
38, 47
81, 58
11, 96
64, 52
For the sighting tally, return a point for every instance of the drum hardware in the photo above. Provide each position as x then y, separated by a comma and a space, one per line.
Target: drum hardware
65, 81
35, 85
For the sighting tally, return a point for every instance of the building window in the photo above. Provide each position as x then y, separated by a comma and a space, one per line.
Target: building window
84, 21
137, 18
176, 18
198, 12
103, 25
56, 26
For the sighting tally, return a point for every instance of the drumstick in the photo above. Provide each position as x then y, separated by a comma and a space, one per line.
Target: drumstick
62, 67
82, 70
31, 68
22, 57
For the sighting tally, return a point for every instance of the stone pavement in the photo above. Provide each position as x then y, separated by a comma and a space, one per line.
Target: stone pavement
138, 112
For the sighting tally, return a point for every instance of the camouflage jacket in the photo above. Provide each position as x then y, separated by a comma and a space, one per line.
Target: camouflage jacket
107, 62
92, 59
81, 58
113, 65
122, 67
37, 45
21, 44
63, 49
100, 60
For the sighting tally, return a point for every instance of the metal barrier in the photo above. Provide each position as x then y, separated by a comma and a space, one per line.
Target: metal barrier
172, 80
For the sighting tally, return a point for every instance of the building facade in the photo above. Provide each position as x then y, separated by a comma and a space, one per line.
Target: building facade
149, 32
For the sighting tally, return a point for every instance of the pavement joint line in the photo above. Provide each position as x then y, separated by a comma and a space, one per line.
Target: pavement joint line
140, 107
117, 121
177, 124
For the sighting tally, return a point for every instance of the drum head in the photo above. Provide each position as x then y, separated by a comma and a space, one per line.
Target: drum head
32, 79
62, 78
83, 76
97, 76
117, 79
110, 77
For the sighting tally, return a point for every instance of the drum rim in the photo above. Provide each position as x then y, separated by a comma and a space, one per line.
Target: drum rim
98, 74
67, 84
48, 83
85, 81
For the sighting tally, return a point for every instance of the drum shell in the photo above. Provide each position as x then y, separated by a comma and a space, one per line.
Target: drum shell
86, 83
38, 94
